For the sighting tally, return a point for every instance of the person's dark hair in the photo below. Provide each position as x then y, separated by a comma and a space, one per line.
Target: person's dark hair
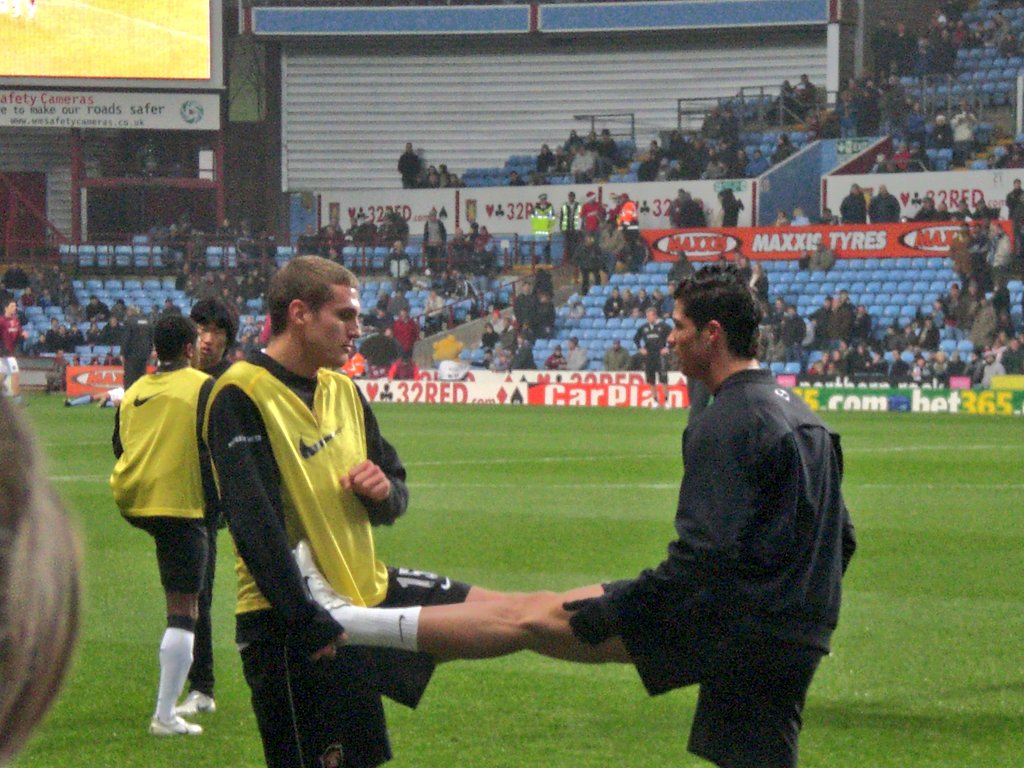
171, 335
308, 279
718, 292
218, 313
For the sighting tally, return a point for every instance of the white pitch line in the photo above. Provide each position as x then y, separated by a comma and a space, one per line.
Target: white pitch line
938, 486
537, 460
552, 486
923, 448
79, 478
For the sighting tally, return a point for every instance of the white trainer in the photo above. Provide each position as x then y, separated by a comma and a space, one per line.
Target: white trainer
176, 727
317, 586
196, 703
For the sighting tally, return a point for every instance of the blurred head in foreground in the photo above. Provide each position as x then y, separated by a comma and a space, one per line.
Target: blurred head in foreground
39, 586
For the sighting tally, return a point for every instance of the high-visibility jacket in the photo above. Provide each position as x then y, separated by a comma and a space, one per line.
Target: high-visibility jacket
542, 219
569, 217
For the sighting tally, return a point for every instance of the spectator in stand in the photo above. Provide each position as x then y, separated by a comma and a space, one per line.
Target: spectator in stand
544, 326
1013, 357
884, 207
433, 313
915, 125
781, 219
991, 367
459, 250
892, 105
53, 341
113, 334
591, 215
574, 142
404, 369
629, 302
983, 329
576, 357
846, 115
96, 310
590, 263
435, 242
866, 100
398, 264
556, 360
853, 209
784, 149
613, 305
607, 153
942, 133
716, 166
72, 338
787, 103
410, 166
501, 360
822, 319
759, 283
685, 213
964, 124
332, 240
583, 166
522, 358
999, 257
489, 339
799, 218
308, 243
524, 307
616, 358
650, 162
898, 370
840, 327
757, 165
731, 208
406, 331
927, 211
806, 95
860, 332
397, 302
613, 245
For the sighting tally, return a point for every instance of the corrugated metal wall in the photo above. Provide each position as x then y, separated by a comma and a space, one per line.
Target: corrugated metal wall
42, 151
346, 118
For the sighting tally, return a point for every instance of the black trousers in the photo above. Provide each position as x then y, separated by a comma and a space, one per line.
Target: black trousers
200, 676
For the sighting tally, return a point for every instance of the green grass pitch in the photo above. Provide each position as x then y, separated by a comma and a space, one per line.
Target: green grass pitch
927, 669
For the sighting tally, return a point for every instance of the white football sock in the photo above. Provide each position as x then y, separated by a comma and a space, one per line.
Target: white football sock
175, 662
381, 627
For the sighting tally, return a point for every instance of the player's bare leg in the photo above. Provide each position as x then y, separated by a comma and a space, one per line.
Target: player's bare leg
534, 622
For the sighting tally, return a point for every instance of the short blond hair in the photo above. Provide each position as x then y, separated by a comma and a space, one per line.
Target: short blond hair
308, 279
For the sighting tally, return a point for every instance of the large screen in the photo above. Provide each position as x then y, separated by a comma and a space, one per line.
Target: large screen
110, 42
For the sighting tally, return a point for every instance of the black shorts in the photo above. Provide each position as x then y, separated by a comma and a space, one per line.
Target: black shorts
309, 713
181, 550
403, 676
752, 687
654, 367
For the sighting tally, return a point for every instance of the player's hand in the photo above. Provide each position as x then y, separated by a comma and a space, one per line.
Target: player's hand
330, 650
643, 350
592, 620
367, 479
664, 351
